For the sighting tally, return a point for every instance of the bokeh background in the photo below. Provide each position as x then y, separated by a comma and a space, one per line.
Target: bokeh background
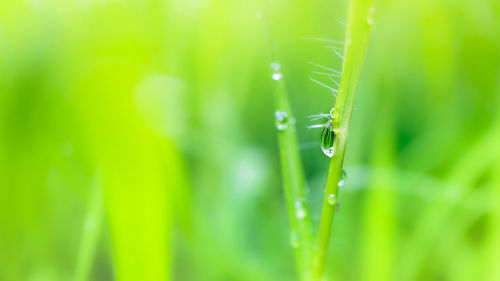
137, 140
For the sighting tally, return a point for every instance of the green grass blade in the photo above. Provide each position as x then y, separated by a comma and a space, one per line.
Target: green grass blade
91, 231
361, 14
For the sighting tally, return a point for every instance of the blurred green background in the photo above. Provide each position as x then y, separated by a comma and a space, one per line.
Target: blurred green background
137, 140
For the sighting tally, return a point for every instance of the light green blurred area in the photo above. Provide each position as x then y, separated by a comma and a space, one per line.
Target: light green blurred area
137, 140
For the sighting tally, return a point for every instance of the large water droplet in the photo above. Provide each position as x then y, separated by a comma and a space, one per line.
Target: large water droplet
294, 240
332, 199
276, 68
342, 178
281, 120
328, 139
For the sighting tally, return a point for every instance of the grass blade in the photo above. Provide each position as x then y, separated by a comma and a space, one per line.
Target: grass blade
358, 31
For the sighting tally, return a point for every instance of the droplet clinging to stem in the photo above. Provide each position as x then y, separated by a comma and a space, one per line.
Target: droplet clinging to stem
342, 178
276, 74
328, 139
281, 120
332, 199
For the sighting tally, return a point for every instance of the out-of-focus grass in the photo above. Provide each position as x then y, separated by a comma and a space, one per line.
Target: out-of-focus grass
171, 102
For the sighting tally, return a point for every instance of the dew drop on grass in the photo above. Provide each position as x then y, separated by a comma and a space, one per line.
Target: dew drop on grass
371, 15
294, 240
276, 68
281, 120
332, 199
328, 151
300, 212
342, 178
298, 204
327, 139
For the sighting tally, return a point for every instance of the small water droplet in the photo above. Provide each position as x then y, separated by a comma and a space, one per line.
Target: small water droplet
281, 120
342, 178
276, 68
328, 139
258, 16
277, 76
370, 17
294, 240
332, 199
301, 213
298, 204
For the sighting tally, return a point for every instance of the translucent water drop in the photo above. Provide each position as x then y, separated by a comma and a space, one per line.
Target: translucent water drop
300, 212
294, 240
298, 204
276, 68
258, 16
277, 76
328, 151
332, 199
370, 17
342, 178
281, 120
328, 139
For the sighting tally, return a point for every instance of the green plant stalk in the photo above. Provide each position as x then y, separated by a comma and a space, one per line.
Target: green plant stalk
294, 184
91, 231
359, 24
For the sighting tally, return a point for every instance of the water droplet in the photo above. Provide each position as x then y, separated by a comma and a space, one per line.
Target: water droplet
281, 120
300, 212
277, 76
328, 151
332, 199
328, 139
342, 178
258, 16
370, 17
294, 240
298, 204
276, 68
